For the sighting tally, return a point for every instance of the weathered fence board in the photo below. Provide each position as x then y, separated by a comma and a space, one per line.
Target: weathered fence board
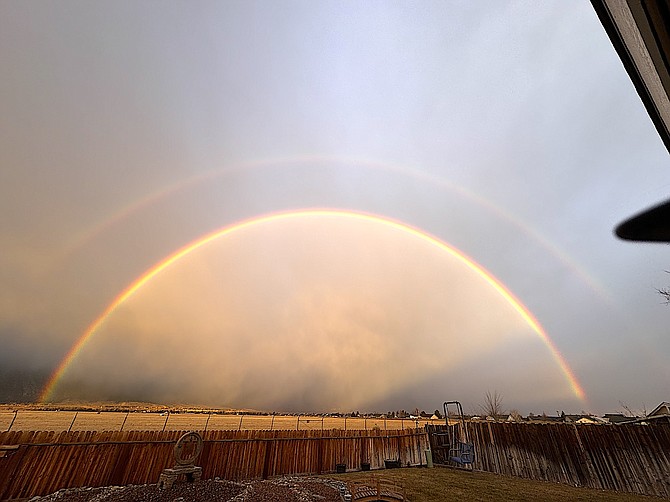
44, 462
629, 458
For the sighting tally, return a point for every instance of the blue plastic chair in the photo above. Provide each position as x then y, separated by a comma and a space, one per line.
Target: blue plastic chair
466, 454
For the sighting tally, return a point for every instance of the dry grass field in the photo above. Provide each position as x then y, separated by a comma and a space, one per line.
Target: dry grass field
27, 419
440, 484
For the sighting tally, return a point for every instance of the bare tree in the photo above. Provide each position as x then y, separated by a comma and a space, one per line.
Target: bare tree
642, 412
492, 406
664, 292
627, 409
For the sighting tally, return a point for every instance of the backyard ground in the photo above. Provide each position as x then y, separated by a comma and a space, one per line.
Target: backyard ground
441, 484
420, 485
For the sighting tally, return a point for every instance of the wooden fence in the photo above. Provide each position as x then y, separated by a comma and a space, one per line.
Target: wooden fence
38, 463
629, 458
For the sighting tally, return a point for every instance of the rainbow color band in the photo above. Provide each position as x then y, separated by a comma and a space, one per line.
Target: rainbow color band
152, 272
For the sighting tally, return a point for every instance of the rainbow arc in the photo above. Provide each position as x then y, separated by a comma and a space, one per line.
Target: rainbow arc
173, 258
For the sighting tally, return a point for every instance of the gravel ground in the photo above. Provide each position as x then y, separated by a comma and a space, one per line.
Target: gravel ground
285, 489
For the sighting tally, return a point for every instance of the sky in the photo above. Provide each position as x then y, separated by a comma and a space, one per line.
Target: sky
407, 203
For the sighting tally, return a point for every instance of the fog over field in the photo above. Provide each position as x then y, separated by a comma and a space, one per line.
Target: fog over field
507, 131
326, 314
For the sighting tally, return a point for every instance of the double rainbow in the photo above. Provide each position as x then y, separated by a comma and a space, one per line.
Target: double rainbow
152, 272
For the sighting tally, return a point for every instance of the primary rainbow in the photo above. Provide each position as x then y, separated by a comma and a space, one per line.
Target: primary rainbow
202, 241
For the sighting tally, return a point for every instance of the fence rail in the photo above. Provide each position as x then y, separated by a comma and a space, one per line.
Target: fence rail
45, 462
628, 458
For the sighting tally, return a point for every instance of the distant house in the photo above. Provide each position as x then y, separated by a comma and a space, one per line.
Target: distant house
582, 419
661, 410
496, 418
617, 418
590, 419
514, 417
544, 419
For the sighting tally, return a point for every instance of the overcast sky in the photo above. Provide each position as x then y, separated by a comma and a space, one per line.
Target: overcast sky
508, 130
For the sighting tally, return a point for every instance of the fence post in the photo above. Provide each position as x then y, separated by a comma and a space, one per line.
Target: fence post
209, 415
166, 420
345, 422
365, 423
73, 419
322, 424
124, 421
12, 422
272, 424
239, 427
385, 423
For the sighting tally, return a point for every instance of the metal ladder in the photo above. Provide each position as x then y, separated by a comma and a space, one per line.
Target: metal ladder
461, 449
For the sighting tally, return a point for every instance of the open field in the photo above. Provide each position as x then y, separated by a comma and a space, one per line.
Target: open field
61, 420
440, 484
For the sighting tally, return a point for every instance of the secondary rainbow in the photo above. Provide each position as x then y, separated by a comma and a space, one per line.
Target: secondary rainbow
273, 217
413, 173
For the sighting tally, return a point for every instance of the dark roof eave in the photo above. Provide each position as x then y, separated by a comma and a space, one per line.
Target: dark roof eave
606, 19
650, 225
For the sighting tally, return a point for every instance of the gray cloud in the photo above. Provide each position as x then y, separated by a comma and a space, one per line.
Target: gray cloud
523, 136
